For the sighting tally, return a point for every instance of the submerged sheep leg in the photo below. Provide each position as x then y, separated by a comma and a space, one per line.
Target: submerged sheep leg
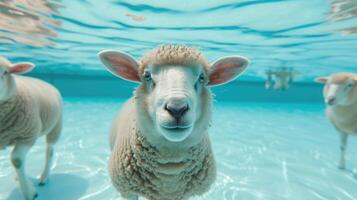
18, 157
343, 146
46, 171
51, 139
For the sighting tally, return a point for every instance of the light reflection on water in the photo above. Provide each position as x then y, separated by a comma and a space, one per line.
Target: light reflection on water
344, 10
28, 21
64, 36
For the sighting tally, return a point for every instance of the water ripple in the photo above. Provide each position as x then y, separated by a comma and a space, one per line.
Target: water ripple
314, 37
146, 7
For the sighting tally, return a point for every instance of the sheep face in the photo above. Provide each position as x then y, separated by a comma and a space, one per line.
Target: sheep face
173, 98
6, 71
340, 89
175, 94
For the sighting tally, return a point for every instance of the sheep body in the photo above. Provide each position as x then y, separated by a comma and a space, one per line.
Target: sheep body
160, 144
136, 165
30, 108
340, 94
35, 110
344, 117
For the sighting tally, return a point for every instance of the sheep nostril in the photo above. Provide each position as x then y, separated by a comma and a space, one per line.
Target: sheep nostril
175, 111
331, 100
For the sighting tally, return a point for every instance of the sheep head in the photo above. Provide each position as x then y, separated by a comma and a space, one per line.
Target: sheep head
340, 89
174, 83
6, 71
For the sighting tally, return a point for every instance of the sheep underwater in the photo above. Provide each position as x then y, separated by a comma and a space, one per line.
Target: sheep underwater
159, 140
30, 108
340, 94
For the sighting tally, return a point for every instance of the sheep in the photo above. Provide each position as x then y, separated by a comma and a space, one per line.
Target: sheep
282, 78
30, 108
159, 141
340, 94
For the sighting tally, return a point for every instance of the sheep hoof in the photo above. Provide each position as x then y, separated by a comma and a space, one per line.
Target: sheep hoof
31, 196
341, 167
42, 182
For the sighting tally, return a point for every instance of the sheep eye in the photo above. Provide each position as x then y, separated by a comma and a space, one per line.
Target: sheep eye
201, 79
350, 85
147, 76
5, 73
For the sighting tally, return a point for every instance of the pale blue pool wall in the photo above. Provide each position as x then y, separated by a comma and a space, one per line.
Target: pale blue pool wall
238, 90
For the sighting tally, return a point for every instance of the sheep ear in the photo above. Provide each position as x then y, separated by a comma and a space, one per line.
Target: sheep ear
21, 68
226, 69
120, 64
322, 79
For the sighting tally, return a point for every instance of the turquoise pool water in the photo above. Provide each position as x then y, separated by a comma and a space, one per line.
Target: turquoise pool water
266, 147
63, 36
263, 150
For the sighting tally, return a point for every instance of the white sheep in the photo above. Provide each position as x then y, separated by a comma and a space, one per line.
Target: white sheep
281, 78
340, 93
29, 108
159, 141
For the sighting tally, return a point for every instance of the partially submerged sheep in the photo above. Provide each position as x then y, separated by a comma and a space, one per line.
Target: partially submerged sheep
160, 144
340, 93
29, 109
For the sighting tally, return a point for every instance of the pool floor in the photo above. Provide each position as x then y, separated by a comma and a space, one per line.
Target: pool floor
263, 151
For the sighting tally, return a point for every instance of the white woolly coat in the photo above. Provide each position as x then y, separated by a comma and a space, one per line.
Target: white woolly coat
34, 110
344, 118
138, 167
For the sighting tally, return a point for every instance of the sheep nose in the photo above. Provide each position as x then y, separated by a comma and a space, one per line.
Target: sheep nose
177, 111
330, 100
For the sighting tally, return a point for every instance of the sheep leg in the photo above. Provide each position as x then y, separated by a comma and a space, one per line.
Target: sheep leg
343, 146
46, 171
18, 157
51, 139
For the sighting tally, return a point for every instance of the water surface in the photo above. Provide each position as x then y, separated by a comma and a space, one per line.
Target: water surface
63, 36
